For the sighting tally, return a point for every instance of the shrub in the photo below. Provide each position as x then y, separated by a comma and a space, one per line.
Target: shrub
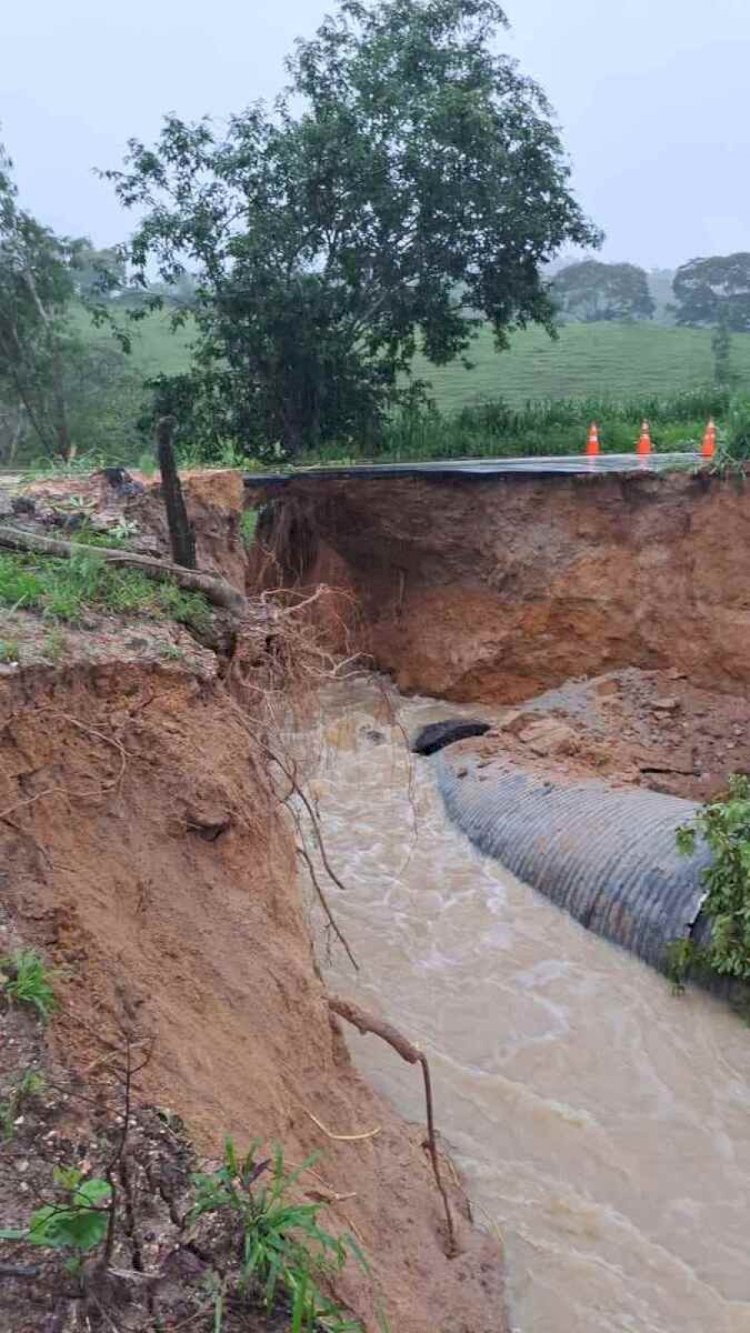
75, 1224
738, 428
725, 826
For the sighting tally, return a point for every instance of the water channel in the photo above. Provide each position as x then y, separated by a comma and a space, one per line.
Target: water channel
601, 1123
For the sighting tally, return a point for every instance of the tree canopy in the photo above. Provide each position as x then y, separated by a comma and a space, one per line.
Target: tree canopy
56, 388
591, 291
714, 291
407, 185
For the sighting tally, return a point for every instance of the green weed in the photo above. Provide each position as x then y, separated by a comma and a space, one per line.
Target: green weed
31, 1084
738, 429
10, 650
24, 979
248, 524
171, 652
65, 589
282, 1246
54, 644
146, 463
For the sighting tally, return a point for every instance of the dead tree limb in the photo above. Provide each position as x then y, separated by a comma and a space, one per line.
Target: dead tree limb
181, 533
216, 590
408, 1051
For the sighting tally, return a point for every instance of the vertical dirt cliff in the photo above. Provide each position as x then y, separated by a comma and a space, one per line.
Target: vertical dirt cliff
144, 850
495, 589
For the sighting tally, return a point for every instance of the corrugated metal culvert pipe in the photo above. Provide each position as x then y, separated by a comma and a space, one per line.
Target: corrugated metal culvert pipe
604, 854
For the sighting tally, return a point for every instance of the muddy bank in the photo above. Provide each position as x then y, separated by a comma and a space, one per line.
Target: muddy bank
496, 590
144, 851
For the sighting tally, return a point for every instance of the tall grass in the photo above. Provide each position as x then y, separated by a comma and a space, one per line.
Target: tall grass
552, 427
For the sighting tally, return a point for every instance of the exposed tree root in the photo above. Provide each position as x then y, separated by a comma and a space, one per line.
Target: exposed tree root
408, 1051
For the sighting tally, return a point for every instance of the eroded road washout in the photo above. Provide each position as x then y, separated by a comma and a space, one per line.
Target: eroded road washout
602, 1122
145, 852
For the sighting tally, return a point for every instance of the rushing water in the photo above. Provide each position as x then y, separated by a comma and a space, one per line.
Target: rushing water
602, 1123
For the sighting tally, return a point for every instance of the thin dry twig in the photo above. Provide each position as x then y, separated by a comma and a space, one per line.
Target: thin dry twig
364, 1023
343, 1138
302, 851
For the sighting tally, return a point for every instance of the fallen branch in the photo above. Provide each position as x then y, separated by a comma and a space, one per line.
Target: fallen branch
216, 590
364, 1023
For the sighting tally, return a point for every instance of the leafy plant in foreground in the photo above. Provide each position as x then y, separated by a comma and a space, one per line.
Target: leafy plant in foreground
77, 1224
283, 1248
24, 979
724, 824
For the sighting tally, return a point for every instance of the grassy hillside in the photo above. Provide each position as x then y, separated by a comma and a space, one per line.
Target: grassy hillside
157, 348
538, 397
587, 361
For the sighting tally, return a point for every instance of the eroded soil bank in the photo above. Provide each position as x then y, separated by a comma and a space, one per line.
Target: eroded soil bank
144, 851
495, 590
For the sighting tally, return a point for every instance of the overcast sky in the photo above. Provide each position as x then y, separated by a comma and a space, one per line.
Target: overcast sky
651, 96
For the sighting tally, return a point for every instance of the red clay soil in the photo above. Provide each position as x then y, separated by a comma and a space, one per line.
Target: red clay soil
144, 851
214, 501
650, 728
495, 590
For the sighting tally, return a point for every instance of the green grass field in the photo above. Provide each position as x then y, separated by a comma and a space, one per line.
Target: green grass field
157, 349
587, 361
550, 389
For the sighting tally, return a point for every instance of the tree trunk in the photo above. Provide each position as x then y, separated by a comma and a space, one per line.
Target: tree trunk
215, 589
181, 534
58, 396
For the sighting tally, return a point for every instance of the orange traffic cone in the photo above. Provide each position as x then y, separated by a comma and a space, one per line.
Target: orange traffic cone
708, 447
644, 442
592, 443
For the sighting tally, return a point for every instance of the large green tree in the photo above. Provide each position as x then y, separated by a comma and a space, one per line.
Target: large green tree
714, 291
590, 291
407, 185
36, 287
60, 386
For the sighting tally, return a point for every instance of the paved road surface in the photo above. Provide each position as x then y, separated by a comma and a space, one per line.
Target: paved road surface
486, 467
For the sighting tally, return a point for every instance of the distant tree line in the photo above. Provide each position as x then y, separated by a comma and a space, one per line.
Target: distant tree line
711, 293
405, 189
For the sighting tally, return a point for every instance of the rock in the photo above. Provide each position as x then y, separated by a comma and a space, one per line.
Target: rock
374, 736
437, 735
549, 736
665, 705
509, 720
121, 481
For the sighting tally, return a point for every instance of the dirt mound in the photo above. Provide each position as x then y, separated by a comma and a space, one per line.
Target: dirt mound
214, 501
497, 589
651, 728
144, 849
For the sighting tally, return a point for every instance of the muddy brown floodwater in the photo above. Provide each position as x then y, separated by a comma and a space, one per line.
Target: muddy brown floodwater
602, 1123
